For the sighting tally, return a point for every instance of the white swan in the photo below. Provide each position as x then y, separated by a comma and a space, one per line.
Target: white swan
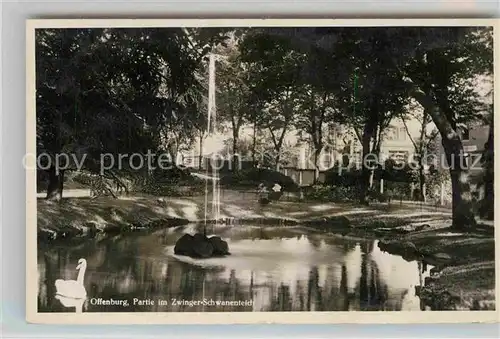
73, 288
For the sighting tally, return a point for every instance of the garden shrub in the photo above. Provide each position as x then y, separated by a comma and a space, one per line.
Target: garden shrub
173, 175
254, 176
172, 190
433, 186
342, 177
396, 173
374, 194
397, 190
331, 193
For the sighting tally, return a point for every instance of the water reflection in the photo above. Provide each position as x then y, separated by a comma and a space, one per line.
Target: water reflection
279, 269
77, 304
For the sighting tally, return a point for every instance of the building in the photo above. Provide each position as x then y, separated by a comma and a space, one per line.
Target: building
474, 138
397, 141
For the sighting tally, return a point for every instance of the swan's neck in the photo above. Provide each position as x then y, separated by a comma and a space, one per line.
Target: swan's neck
81, 273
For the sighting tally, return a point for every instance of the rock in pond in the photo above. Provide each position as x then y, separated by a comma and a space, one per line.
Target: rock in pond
219, 245
184, 245
200, 246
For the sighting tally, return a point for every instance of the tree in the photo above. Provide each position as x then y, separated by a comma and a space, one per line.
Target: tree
113, 91
366, 88
442, 77
370, 94
423, 146
317, 113
256, 116
275, 69
233, 86
439, 67
372, 112
487, 204
80, 98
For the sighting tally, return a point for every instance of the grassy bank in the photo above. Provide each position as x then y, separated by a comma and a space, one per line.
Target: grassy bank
82, 217
464, 271
107, 213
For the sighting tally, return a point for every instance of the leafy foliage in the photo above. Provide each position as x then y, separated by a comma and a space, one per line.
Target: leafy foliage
328, 193
255, 176
116, 90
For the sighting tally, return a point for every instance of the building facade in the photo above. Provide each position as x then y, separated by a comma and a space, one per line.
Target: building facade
474, 138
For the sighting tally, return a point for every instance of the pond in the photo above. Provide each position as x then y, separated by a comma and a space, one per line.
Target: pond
269, 269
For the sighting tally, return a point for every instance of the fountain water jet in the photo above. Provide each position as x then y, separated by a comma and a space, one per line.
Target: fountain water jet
199, 245
211, 130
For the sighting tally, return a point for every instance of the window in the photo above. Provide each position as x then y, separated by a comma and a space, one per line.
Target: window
399, 156
402, 133
392, 134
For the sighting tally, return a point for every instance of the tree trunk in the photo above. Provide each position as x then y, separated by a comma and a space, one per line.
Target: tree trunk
463, 215
200, 155
56, 183
421, 181
366, 171
421, 166
375, 152
462, 206
317, 152
486, 209
277, 146
235, 151
421, 148
173, 153
254, 142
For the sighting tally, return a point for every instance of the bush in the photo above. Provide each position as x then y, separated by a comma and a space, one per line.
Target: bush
174, 175
342, 177
154, 188
392, 172
433, 186
71, 180
397, 190
375, 195
331, 193
174, 182
338, 176
254, 176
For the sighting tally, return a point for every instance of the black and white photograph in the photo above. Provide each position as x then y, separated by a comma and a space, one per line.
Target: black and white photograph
262, 167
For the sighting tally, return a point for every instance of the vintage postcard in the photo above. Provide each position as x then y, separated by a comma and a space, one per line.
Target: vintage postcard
261, 171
